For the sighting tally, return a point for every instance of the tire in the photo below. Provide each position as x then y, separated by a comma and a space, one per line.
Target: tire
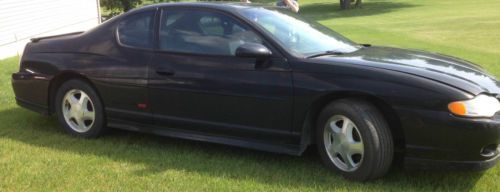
79, 109
356, 131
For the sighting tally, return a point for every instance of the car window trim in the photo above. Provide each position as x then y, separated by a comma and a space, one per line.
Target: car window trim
163, 10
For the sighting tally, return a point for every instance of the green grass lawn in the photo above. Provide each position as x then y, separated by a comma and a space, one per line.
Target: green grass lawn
36, 155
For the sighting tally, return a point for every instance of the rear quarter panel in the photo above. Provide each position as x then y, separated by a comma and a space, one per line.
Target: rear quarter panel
119, 74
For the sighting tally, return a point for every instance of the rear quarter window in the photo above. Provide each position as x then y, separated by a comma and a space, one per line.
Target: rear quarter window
137, 30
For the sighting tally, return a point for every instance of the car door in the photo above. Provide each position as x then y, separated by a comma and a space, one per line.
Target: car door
197, 82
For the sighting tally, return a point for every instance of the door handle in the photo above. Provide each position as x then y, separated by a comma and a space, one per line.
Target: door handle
165, 72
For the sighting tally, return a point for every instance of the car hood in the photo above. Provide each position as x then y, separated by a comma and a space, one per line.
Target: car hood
452, 71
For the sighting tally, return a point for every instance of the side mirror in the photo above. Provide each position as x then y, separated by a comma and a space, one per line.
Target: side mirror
253, 50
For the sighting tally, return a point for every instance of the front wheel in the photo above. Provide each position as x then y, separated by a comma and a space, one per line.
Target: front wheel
79, 109
354, 139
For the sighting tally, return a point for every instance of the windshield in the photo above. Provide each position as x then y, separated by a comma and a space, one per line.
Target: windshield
298, 35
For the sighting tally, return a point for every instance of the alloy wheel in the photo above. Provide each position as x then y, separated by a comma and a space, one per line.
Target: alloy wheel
78, 110
343, 143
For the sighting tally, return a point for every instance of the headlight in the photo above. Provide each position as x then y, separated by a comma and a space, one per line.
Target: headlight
480, 106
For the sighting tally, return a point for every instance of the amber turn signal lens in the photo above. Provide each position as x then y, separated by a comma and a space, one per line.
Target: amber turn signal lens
457, 108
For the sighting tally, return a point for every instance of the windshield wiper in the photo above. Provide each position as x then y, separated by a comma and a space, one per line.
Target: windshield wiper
325, 53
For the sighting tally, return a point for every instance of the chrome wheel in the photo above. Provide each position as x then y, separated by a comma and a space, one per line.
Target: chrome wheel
343, 143
78, 110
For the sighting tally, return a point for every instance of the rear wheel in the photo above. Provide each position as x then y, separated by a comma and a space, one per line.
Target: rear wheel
354, 139
79, 109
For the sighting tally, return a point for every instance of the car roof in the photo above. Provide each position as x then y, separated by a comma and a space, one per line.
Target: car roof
226, 6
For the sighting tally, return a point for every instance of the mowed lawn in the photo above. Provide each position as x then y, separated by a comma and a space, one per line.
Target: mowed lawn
36, 155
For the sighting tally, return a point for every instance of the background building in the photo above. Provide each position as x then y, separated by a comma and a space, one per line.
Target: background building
21, 20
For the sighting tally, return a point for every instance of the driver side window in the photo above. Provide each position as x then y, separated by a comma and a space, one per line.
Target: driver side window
203, 32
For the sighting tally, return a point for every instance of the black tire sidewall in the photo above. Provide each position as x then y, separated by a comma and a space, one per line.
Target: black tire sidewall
99, 122
369, 134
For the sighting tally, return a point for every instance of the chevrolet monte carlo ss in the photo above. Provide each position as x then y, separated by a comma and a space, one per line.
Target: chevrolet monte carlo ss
267, 79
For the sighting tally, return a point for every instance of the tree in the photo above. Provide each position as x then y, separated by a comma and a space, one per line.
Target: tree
346, 4
120, 5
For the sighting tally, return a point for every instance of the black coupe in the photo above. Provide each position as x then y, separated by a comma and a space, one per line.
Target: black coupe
267, 79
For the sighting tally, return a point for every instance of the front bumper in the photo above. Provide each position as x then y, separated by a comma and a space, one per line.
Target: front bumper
429, 164
439, 140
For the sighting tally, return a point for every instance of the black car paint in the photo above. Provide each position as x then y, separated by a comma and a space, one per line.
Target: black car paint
267, 108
